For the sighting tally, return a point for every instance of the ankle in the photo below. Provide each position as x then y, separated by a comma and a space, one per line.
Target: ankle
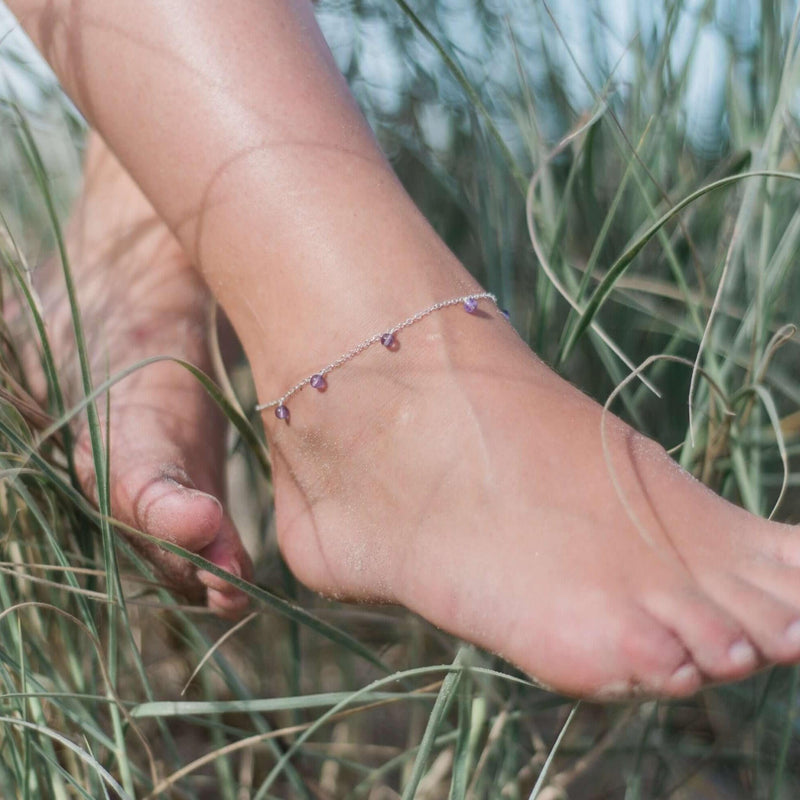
311, 279
446, 355
327, 326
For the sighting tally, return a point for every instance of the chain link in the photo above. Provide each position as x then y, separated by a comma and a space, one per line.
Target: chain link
360, 348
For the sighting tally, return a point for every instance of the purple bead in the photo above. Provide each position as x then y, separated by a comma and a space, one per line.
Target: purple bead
387, 340
318, 382
506, 313
281, 412
470, 305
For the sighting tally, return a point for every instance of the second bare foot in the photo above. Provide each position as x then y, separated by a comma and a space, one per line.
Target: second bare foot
140, 297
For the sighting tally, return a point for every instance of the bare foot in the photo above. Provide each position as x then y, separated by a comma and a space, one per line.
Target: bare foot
140, 297
460, 477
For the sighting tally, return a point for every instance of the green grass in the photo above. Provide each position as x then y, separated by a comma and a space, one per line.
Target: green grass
634, 255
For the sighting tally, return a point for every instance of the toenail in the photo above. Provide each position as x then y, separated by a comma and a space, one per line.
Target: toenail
177, 475
792, 634
742, 654
685, 679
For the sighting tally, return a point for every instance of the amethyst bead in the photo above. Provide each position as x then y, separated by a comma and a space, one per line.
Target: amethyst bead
281, 412
318, 382
470, 305
387, 340
506, 313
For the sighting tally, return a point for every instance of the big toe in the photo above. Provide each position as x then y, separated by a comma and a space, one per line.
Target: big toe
162, 501
166, 507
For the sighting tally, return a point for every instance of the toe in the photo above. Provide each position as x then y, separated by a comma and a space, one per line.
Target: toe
616, 650
169, 510
771, 623
226, 605
658, 661
717, 642
227, 552
163, 503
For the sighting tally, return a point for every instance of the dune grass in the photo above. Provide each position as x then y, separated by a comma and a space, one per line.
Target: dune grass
624, 225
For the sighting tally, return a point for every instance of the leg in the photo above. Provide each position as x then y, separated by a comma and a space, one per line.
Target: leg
140, 297
458, 476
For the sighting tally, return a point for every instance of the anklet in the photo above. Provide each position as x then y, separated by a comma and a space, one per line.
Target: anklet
387, 338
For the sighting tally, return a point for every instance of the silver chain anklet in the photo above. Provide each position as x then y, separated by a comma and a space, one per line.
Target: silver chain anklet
387, 338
